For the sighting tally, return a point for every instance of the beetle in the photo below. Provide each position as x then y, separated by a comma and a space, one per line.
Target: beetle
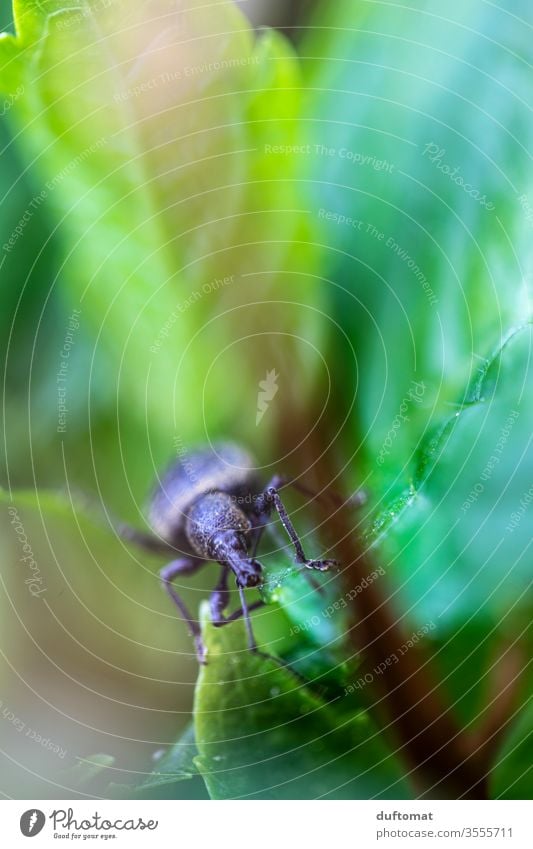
210, 506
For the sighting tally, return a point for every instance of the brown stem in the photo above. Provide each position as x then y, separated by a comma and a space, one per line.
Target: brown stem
445, 760
409, 697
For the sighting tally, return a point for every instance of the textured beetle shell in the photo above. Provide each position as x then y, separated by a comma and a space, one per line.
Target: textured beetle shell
224, 467
210, 515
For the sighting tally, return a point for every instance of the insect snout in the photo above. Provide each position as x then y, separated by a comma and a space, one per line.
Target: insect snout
250, 574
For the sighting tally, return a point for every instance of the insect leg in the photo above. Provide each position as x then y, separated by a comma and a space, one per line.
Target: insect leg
219, 601
169, 573
358, 499
262, 524
143, 539
252, 645
272, 499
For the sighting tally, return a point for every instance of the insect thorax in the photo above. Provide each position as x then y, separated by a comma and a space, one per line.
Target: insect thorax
210, 516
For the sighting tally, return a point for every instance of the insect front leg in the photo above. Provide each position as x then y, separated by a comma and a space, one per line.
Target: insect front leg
219, 601
271, 499
261, 523
326, 496
178, 569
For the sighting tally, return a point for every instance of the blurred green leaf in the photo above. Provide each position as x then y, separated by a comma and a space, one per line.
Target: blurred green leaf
433, 286
261, 733
176, 765
87, 771
457, 543
434, 268
150, 130
85, 619
176, 776
310, 602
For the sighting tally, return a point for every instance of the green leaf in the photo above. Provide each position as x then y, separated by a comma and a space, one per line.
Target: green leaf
262, 733
439, 271
458, 542
512, 774
432, 262
176, 765
85, 619
176, 776
147, 151
151, 148
311, 607
85, 570
87, 771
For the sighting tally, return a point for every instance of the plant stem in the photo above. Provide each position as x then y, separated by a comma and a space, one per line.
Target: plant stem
447, 762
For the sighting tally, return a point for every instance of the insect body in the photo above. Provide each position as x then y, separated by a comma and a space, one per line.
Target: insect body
210, 506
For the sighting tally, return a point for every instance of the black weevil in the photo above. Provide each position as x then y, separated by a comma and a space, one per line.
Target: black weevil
210, 506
